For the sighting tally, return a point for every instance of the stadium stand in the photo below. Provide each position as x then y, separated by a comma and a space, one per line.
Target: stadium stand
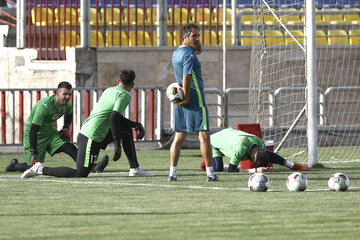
113, 38
39, 16
247, 37
95, 20
177, 12
274, 37
337, 37
354, 37
64, 39
202, 16
139, 38
96, 40
228, 37
134, 16
113, 16
298, 34
68, 17
320, 37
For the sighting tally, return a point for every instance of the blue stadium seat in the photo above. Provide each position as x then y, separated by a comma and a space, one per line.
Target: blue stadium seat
348, 4
184, 3
299, 4
245, 4
325, 3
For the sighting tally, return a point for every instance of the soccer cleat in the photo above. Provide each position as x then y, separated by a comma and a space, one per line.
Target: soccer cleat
33, 171
300, 167
99, 168
139, 172
210, 179
171, 179
11, 166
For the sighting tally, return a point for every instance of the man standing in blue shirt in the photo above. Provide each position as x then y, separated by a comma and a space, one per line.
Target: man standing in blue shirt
191, 114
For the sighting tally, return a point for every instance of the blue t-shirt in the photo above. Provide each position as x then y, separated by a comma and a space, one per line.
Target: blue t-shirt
185, 62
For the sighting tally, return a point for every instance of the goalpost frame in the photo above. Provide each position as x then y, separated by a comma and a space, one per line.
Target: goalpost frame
310, 43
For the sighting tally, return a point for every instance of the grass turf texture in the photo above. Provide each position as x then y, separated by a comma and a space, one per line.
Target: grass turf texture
111, 205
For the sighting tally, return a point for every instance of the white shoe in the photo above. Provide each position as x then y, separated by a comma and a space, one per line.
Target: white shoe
139, 172
33, 171
226, 167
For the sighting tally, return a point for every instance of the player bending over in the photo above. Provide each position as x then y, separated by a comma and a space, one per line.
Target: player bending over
105, 124
239, 146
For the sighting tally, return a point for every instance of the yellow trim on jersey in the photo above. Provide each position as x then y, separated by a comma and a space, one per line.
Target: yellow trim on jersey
201, 104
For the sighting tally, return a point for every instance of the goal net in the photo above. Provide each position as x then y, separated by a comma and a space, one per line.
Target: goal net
278, 78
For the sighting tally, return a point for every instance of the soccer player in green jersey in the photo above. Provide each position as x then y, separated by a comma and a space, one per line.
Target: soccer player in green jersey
40, 134
105, 124
239, 146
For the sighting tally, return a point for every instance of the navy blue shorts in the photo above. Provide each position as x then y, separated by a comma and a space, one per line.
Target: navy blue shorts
192, 119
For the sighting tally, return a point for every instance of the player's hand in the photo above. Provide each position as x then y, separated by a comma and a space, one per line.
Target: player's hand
34, 159
117, 153
264, 169
65, 134
140, 131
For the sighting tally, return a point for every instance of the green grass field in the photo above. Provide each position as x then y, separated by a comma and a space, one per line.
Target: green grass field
112, 205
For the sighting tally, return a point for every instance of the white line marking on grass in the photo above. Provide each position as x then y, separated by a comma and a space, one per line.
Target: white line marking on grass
157, 185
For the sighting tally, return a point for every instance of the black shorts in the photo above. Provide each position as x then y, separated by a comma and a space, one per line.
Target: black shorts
88, 152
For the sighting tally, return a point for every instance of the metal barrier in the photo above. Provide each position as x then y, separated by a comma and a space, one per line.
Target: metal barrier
16, 105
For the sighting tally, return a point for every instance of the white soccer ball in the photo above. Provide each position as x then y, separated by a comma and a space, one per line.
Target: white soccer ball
174, 92
339, 182
296, 182
258, 182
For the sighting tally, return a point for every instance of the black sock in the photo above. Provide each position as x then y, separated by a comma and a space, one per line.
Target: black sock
59, 171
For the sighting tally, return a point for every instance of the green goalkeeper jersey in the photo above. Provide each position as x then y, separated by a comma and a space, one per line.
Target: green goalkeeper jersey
97, 125
234, 144
44, 114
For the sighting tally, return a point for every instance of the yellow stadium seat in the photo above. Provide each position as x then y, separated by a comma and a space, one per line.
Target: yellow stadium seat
274, 37
333, 18
93, 19
133, 13
352, 18
290, 17
69, 13
209, 38
269, 18
319, 18
100, 40
113, 39
320, 37
177, 40
168, 35
139, 39
249, 36
112, 17
41, 14
354, 37
64, 39
337, 37
228, 38
246, 18
176, 11
299, 36
202, 18
221, 11
148, 17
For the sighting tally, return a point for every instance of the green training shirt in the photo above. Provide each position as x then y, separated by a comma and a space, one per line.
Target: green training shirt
97, 125
44, 114
235, 144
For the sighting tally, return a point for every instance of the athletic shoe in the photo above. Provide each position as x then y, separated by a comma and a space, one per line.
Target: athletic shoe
10, 168
171, 179
139, 172
210, 179
33, 171
99, 168
300, 167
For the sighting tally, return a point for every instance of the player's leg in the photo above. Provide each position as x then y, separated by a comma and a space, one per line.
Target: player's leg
68, 148
15, 166
88, 152
276, 158
205, 149
175, 150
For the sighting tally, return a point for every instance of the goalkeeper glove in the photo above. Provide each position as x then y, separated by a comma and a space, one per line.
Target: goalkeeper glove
65, 134
34, 157
140, 131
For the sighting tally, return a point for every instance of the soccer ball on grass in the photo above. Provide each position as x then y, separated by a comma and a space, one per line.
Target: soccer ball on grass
339, 182
296, 182
258, 182
174, 92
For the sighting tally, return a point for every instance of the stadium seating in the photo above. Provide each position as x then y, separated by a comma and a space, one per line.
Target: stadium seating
209, 38
320, 37
221, 11
246, 18
352, 18
202, 19
269, 18
319, 18
177, 40
69, 18
148, 17
38, 16
337, 37
176, 11
139, 38
228, 38
112, 17
289, 17
274, 37
245, 4
100, 39
333, 18
298, 34
354, 37
64, 39
168, 35
248, 36
134, 16
93, 18
114, 39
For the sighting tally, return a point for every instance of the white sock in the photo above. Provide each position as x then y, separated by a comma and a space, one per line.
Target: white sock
289, 164
172, 171
210, 172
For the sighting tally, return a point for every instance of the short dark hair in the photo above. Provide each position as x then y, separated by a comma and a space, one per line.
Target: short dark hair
127, 76
186, 29
261, 159
64, 84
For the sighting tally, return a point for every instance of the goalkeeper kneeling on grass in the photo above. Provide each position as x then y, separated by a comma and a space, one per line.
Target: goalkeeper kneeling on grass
105, 124
240, 146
